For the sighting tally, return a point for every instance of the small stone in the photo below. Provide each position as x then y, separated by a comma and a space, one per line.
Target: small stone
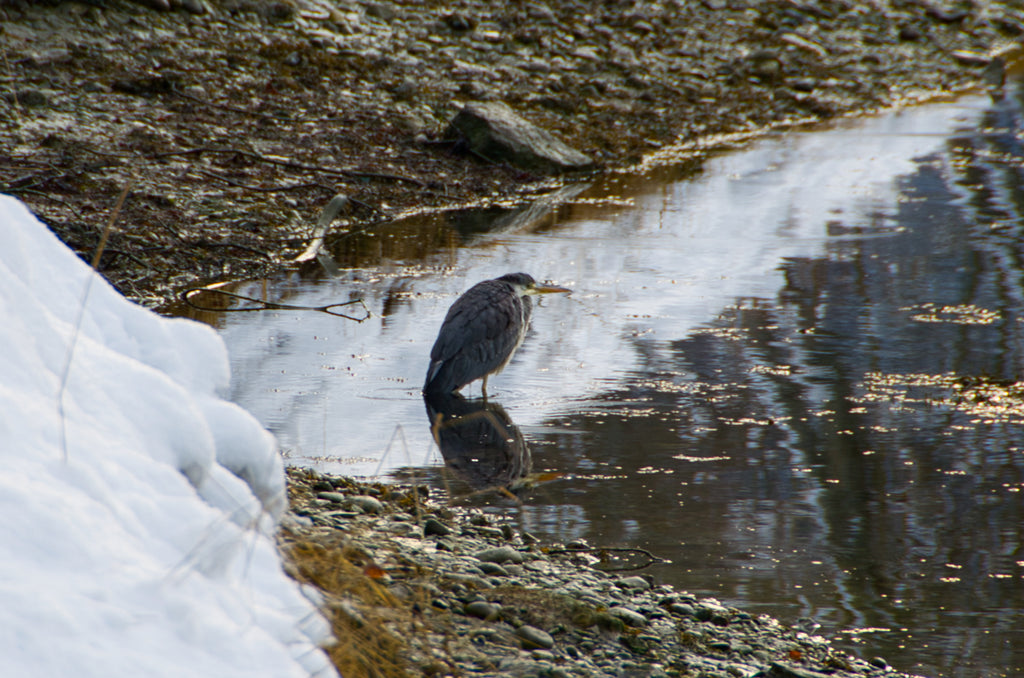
780, 670
276, 12
401, 529
532, 637
502, 554
710, 612
481, 609
459, 22
878, 663
435, 528
514, 666
434, 667
634, 584
636, 644
336, 497
803, 84
495, 132
493, 569
366, 504
194, 6
489, 532
609, 622
471, 580
29, 98
380, 10
339, 516
682, 609
627, 615
910, 33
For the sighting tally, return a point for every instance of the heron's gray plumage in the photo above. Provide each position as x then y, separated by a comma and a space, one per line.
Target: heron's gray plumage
481, 332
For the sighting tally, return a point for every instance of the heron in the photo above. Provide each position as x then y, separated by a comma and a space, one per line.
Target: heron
482, 330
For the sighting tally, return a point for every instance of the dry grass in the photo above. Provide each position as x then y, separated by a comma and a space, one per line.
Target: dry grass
360, 610
372, 626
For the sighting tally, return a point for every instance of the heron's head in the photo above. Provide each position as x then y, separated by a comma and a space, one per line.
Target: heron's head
524, 284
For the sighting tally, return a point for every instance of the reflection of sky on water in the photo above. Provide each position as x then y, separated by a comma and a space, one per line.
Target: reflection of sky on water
329, 387
716, 389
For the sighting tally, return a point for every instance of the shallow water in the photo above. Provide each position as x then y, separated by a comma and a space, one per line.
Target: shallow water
788, 369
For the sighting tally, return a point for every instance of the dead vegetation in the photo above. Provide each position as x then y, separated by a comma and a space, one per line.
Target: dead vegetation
362, 613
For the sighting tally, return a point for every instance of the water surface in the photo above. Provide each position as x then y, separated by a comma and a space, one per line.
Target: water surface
789, 369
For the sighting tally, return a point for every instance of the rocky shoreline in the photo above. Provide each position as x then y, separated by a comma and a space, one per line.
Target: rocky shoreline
227, 127
416, 586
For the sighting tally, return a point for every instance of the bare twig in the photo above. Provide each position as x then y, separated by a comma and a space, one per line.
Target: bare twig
78, 321
261, 305
229, 107
32, 181
128, 255
240, 247
264, 189
327, 215
294, 164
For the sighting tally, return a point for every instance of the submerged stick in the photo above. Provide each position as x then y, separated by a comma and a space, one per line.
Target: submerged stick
261, 305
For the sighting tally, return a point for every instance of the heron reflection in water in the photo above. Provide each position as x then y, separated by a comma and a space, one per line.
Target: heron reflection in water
482, 331
478, 441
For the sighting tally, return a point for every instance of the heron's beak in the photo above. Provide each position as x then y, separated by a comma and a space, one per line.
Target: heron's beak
549, 289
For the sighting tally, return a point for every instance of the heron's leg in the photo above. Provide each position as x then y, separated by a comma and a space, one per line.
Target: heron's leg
483, 389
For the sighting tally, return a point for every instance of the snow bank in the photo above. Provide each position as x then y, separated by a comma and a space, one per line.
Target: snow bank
134, 530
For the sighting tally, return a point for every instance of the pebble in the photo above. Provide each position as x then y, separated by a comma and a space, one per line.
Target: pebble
493, 569
682, 609
630, 617
634, 584
711, 611
502, 554
878, 662
366, 504
533, 637
489, 532
435, 528
401, 528
481, 609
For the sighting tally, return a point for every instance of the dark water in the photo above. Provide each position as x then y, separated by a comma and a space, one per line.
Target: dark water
790, 369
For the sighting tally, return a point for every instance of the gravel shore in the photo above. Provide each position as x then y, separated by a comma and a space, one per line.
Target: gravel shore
416, 586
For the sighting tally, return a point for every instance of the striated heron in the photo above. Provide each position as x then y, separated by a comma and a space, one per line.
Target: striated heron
482, 330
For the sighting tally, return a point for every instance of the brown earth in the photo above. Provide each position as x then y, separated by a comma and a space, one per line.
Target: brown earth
228, 130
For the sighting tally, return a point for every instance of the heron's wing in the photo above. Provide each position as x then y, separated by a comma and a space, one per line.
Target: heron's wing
482, 329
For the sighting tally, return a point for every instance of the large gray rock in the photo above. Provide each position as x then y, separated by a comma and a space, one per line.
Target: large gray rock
495, 132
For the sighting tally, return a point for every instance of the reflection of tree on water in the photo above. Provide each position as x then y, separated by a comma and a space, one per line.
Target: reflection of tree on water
478, 441
852, 447
892, 365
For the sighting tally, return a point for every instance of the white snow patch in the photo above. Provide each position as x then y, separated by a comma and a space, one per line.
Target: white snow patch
138, 542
